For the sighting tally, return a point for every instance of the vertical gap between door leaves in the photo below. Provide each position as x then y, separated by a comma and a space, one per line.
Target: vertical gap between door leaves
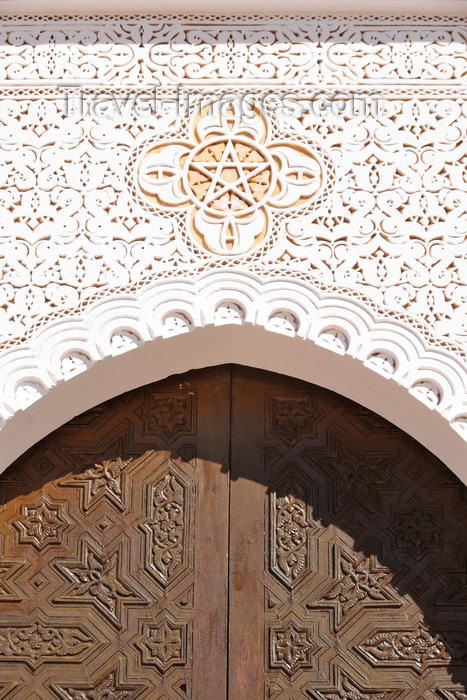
227, 685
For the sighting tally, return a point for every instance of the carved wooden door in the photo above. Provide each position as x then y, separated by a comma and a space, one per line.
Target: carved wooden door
232, 534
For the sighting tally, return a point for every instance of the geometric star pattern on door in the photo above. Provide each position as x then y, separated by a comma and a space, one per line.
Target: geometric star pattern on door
116, 563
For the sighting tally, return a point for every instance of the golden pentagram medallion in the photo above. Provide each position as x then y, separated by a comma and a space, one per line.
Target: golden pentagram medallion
232, 179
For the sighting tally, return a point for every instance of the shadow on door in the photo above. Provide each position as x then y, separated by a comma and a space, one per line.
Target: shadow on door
232, 533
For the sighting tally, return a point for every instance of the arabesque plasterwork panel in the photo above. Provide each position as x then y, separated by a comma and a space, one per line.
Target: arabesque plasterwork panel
327, 152
131, 50
389, 224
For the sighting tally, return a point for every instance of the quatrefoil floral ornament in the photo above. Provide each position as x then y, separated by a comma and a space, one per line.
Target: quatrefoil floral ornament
232, 179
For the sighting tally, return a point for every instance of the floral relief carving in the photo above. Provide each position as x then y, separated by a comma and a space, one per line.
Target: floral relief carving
292, 416
42, 524
417, 527
291, 536
168, 415
291, 648
357, 583
99, 579
290, 531
349, 690
102, 479
167, 527
109, 687
417, 648
164, 644
362, 582
40, 642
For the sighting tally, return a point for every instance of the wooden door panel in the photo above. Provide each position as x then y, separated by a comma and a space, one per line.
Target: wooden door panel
328, 564
113, 560
348, 545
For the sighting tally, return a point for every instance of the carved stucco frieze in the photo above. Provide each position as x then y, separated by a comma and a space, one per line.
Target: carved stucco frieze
324, 153
366, 206
268, 50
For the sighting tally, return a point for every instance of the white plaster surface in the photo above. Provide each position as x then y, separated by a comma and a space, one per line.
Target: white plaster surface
347, 267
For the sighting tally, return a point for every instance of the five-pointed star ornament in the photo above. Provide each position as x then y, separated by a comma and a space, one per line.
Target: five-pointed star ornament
231, 179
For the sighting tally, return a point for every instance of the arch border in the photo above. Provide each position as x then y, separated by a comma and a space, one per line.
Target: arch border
281, 325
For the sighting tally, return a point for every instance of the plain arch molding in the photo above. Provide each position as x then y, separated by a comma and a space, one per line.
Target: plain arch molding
366, 382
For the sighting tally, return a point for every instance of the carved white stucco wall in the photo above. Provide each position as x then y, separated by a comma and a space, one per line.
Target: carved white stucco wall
326, 202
